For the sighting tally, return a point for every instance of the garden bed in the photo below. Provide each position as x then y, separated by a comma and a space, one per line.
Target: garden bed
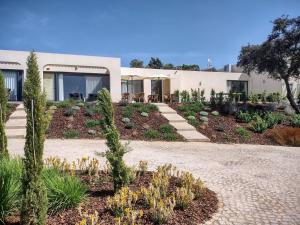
98, 186
227, 129
81, 125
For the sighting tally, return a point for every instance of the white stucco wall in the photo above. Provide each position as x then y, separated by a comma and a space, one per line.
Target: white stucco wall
112, 64
185, 80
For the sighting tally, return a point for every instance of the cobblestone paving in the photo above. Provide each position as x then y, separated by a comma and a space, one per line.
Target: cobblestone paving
255, 184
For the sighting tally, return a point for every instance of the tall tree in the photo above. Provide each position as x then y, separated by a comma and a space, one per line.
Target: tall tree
155, 63
278, 56
34, 202
116, 150
3, 103
191, 67
135, 63
168, 66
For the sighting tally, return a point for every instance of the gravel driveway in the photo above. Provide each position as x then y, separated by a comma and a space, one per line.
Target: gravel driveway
255, 184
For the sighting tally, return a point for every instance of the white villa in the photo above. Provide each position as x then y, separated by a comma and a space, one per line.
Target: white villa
65, 75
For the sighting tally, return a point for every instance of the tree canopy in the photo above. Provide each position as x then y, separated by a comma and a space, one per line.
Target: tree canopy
278, 56
135, 63
155, 63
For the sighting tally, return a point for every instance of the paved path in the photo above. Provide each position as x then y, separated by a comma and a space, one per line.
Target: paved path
183, 128
255, 184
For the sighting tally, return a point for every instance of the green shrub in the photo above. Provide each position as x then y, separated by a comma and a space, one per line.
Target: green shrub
295, 120
242, 132
127, 111
147, 108
3, 111
137, 104
194, 122
166, 128
151, 134
259, 125
273, 119
63, 191
185, 96
70, 112
71, 134
189, 113
63, 104
169, 136
191, 107
90, 111
92, 123
245, 117
10, 186
116, 150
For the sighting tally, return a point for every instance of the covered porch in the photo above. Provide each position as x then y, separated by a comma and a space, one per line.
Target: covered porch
141, 88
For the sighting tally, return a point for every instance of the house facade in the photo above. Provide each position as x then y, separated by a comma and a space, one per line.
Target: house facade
63, 75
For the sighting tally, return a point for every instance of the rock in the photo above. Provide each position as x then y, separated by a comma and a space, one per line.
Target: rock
215, 113
91, 132
129, 125
220, 127
126, 120
75, 107
146, 126
144, 114
204, 119
213, 136
69, 126
207, 109
191, 118
203, 126
203, 113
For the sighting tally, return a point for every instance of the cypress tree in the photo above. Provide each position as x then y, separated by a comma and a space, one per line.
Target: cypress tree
116, 150
3, 103
34, 202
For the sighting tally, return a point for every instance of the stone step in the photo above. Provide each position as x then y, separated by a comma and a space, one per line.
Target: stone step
182, 126
15, 127
173, 117
16, 117
15, 136
159, 104
20, 107
167, 110
16, 122
15, 133
18, 113
193, 136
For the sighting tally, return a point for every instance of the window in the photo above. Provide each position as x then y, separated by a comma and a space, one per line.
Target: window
237, 86
132, 86
82, 84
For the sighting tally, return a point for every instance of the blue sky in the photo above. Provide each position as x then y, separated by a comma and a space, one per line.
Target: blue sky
176, 31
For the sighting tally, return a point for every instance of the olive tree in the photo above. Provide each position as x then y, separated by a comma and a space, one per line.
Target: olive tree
278, 56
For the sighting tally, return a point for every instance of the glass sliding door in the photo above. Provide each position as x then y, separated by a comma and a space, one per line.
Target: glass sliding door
238, 87
132, 86
11, 83
83, 85
156, 88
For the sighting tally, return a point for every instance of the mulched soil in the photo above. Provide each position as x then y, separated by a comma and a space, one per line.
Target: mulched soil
12, 107
61, 123
229, 134
198, 212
